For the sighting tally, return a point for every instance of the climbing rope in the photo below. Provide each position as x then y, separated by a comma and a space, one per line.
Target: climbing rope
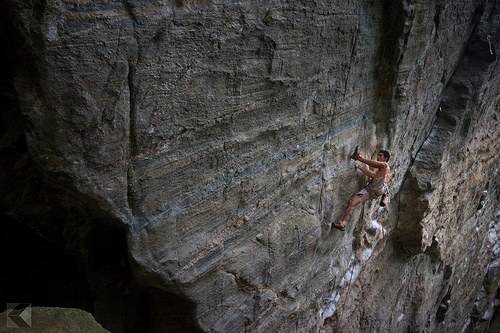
346, 295
364, 131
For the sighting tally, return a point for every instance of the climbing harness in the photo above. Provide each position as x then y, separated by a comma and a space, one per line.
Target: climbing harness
489, 42
384, 198
298, 239
384, 201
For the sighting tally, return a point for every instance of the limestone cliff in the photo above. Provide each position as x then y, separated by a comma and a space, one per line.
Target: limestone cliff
185, 159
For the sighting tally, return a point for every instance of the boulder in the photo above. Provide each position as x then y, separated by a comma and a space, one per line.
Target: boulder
48, 320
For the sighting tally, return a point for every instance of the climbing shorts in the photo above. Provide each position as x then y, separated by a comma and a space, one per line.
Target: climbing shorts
364, 195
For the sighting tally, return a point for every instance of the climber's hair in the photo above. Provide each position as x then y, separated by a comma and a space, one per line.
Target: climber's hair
386, 154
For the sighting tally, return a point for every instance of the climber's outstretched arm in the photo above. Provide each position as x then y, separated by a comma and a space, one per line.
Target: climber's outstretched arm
381, 166
369, 173
372, 163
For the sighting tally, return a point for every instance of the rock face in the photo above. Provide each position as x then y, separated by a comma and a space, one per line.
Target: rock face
191, 155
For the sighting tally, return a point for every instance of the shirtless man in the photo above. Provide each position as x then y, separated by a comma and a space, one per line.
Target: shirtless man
381, 174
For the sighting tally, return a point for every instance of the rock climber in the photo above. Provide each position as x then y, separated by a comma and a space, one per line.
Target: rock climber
380, 176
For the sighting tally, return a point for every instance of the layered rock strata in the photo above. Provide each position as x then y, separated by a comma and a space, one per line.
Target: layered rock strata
191, 155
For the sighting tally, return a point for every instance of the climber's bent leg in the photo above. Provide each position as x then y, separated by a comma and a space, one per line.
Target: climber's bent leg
362, 196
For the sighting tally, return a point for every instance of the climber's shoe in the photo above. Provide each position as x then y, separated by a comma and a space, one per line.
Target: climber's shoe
355, 155
338, 226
